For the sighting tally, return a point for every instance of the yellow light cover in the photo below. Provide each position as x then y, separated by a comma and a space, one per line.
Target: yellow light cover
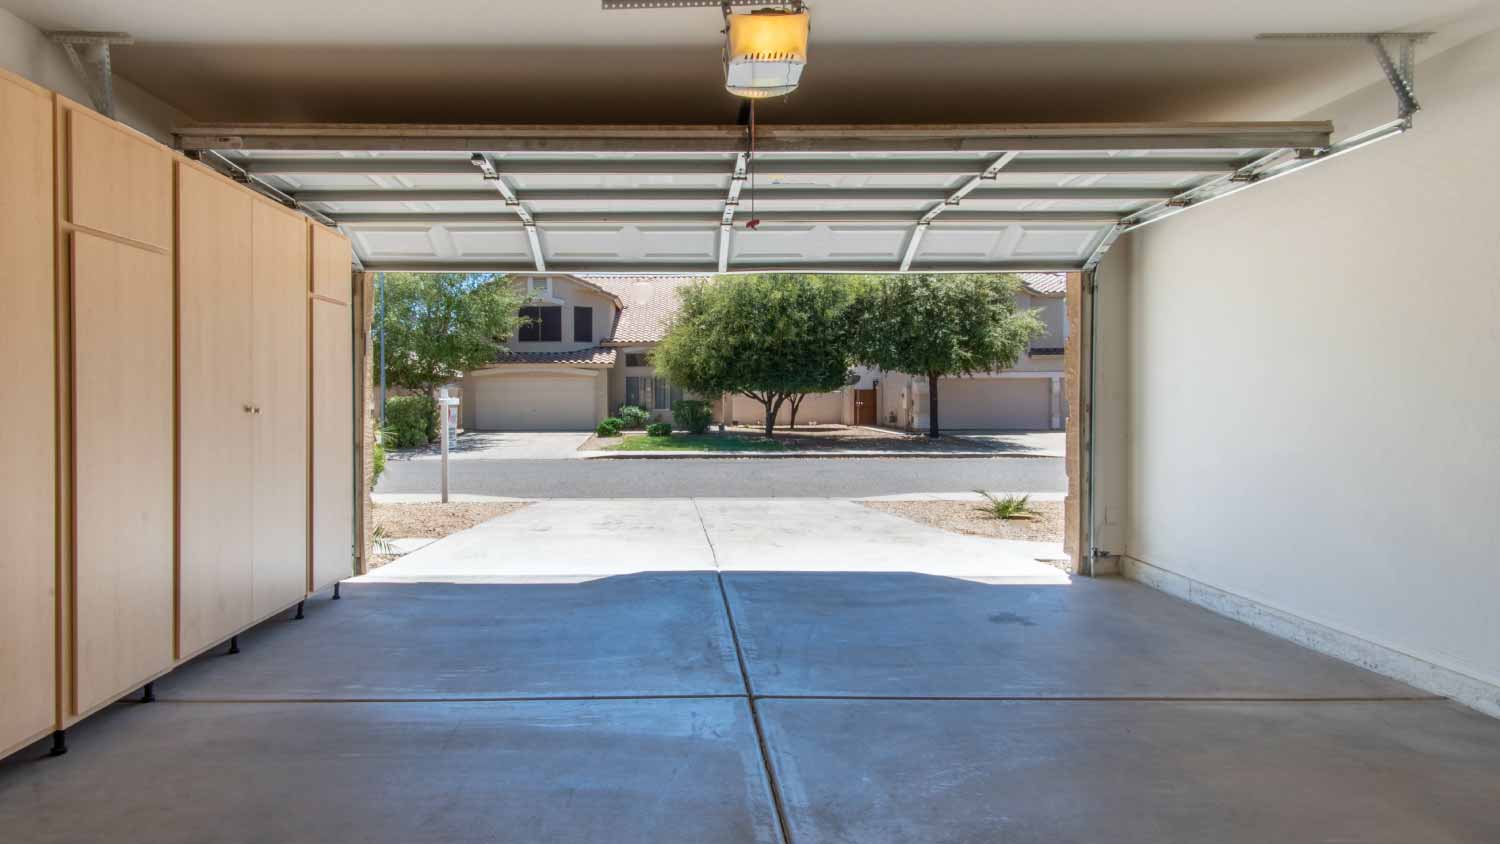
765, 52
769, 36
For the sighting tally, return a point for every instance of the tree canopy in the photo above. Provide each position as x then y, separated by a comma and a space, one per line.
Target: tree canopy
439, 325
944, 325
773, 338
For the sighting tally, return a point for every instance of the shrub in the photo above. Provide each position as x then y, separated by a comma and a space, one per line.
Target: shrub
633, 417
380, 438
610, 427
659, 429
692, 415
412, 420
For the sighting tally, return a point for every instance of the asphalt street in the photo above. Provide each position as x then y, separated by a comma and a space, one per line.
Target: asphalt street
727, 477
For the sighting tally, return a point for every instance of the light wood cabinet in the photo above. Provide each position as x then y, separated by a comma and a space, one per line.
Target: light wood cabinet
122, 468
216, 403
28, 548
331, 261
333, 446
118, 182
243, 270
280, 505
333, 411
156, 360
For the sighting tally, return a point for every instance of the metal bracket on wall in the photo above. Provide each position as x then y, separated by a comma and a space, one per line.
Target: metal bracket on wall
89, 53
1400, 73
1400, 70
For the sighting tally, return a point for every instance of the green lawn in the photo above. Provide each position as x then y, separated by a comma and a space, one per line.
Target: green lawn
695, 442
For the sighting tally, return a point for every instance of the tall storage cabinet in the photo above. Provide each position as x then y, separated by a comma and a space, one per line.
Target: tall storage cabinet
115, 222
28, 545
280, 503
333, 410
242, 395
157, 364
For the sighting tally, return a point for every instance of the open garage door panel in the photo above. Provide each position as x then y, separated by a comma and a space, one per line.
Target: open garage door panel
978, 198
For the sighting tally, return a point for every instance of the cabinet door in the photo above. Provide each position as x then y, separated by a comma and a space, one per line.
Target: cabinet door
281, 428
119, 182
216, 409
333, 444
122, 429
28, 565
332, 263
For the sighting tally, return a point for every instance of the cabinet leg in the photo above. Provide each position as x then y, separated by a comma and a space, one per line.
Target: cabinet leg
336, 591
234, 644
298, 616
148, 693
59, 743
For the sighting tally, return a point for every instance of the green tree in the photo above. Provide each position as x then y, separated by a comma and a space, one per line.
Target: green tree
774, 338
440, 325
944, 325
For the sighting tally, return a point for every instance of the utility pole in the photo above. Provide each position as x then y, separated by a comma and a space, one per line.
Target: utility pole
380, 279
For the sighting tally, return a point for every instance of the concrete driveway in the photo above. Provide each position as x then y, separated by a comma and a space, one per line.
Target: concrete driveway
581, 539
1028, 443
735, 692
501, 445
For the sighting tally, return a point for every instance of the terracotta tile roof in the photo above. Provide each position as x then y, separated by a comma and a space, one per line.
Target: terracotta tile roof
595, 356
1045, 284
650, 301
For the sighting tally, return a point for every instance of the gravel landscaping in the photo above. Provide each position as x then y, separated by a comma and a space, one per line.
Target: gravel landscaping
968, 517
432, 521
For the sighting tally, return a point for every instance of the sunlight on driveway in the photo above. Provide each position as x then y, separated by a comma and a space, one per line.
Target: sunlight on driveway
580, 539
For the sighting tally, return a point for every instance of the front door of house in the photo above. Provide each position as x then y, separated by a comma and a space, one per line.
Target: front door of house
864, 407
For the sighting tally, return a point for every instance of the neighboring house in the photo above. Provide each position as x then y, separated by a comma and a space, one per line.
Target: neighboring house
1029, 396
586, 352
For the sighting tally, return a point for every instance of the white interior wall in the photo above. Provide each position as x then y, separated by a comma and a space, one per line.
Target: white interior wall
1313, 418
24, 50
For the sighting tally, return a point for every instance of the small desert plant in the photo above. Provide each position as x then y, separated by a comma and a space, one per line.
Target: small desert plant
659, 429
1007, 507
381, 539
610, 427
634, 417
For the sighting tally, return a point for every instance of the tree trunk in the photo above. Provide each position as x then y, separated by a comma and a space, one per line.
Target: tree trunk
796, 403
773, 407
932, 406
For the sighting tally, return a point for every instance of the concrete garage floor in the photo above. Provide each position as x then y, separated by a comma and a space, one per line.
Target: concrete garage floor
738, 706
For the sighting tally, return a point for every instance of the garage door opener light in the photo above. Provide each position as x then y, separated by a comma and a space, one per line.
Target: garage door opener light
765, 51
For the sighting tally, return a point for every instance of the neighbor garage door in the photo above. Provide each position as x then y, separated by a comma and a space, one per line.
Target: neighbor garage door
542, 402
1019, 403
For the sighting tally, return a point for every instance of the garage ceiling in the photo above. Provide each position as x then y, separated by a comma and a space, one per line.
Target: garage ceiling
676, 199
873, 61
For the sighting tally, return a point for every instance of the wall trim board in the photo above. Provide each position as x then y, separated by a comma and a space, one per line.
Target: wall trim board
1470, 691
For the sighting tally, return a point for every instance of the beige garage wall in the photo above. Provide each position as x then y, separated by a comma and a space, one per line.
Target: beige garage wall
24, 50
1314, 416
